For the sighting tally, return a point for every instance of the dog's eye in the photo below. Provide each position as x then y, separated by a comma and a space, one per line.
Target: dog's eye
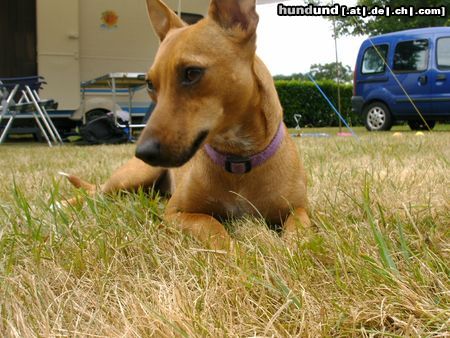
150, 86
192, 75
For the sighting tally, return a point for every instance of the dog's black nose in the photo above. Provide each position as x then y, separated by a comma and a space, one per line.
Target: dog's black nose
149, 151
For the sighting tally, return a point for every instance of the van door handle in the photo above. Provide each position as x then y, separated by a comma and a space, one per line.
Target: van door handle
441, 77
423, 79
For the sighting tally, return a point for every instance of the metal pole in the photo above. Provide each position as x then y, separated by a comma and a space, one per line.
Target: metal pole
113, 82
130, 107
83, 103
338, 75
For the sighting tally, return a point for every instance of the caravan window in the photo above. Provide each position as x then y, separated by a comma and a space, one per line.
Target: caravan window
411, 56
443, 53
374, 60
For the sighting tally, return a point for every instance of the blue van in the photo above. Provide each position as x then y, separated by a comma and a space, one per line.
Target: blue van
400, 74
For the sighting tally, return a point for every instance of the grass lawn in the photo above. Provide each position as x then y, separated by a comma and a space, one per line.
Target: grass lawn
376, 264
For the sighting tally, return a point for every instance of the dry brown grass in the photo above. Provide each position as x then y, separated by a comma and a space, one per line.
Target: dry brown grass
376, 264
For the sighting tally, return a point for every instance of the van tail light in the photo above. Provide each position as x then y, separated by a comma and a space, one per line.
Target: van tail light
354, 81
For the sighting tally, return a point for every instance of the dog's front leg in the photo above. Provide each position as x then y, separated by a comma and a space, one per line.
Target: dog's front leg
131, 176
297, 221
204, 228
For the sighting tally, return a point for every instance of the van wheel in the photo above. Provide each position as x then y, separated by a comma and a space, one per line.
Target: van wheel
420, 125
377, 117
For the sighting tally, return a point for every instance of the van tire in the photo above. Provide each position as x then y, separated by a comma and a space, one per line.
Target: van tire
377, 117
420, 125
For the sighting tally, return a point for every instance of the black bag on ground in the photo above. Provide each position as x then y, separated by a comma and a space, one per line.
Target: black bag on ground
103, 130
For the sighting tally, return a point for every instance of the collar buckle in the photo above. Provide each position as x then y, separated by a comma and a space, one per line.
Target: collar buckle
238, 165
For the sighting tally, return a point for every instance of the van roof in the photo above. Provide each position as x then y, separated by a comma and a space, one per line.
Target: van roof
416, 31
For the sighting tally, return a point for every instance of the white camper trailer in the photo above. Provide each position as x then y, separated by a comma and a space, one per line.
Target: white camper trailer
72, 41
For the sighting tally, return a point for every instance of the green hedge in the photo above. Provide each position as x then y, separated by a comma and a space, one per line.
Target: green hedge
300, 97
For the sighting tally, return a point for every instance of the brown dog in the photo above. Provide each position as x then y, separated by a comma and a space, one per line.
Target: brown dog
218, 125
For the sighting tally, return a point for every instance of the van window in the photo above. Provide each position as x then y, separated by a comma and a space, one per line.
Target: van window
443, 53
411, 56
374, 60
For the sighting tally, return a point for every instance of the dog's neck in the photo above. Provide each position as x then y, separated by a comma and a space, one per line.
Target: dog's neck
262, 118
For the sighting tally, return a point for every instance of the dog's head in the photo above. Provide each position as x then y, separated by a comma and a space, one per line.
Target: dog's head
201, 80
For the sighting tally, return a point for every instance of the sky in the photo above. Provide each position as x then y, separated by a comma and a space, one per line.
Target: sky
290, 45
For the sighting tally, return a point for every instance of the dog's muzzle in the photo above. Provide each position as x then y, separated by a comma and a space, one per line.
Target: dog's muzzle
149, 151
156, 154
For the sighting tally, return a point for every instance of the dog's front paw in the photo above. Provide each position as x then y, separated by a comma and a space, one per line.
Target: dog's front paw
299, 237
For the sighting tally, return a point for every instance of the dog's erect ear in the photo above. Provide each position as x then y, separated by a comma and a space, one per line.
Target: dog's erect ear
235, 14
163, 18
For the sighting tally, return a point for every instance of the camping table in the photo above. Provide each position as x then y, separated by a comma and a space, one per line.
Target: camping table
116, 81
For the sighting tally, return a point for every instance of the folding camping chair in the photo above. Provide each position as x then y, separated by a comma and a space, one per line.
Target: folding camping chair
25, 89
297, 118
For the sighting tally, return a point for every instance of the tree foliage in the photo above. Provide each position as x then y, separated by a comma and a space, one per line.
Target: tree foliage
321, 72
328, 71
294, 76
353, 25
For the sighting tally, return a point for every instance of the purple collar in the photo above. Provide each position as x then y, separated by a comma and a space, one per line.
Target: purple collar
242, 165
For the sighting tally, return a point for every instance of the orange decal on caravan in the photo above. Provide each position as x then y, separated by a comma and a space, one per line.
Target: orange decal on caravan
109, 19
